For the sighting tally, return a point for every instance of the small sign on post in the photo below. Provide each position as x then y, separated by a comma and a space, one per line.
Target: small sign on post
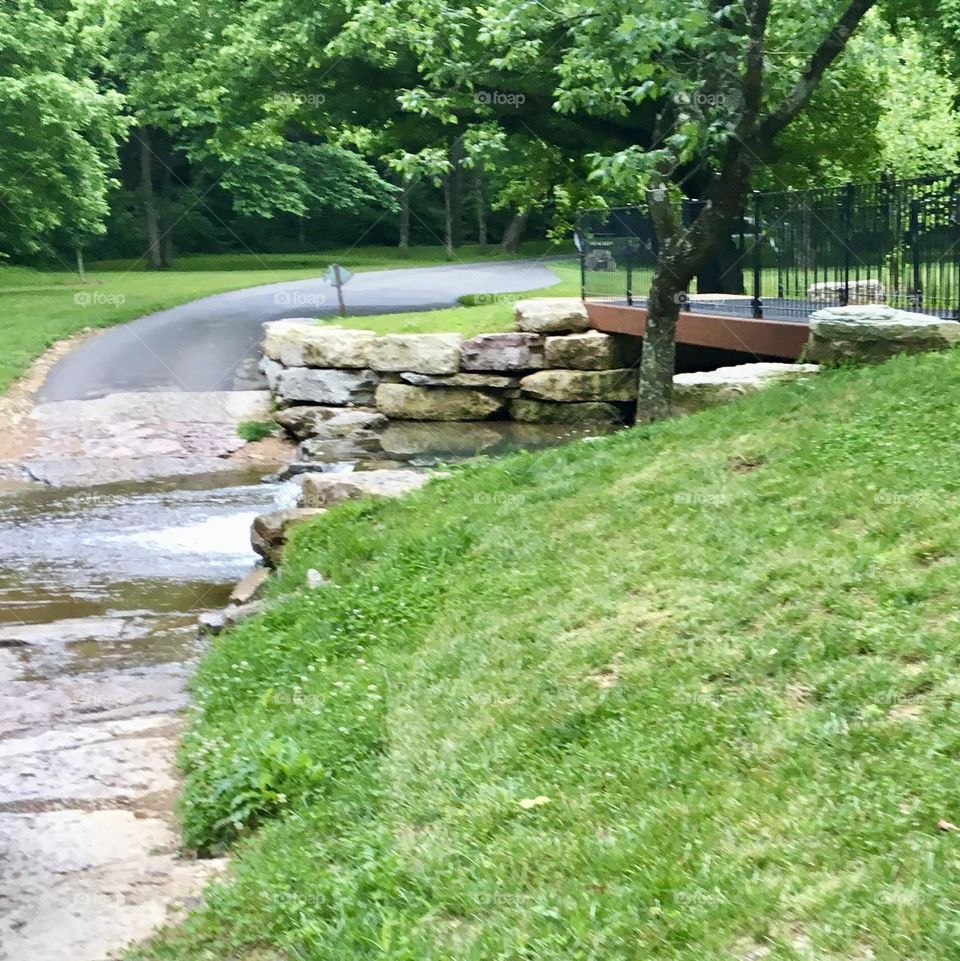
337, 276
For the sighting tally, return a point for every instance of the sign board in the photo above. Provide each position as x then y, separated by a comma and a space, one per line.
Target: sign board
336, 275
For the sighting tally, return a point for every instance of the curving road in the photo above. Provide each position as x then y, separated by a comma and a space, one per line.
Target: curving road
212, 343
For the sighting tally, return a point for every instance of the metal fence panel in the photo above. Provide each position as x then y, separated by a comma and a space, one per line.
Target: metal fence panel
894, 241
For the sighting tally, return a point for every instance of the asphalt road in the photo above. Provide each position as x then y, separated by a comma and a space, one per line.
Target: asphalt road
213, 343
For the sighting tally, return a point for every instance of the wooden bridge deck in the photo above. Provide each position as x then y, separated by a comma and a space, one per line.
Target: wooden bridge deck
726, 328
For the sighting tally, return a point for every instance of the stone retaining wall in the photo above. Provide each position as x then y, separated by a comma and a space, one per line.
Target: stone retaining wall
552, 369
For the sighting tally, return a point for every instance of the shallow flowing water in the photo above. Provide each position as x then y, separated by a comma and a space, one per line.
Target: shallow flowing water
100, 588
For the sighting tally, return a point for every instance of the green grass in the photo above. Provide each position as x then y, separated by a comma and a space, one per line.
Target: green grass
39, 308
254, 430
479, 313
356, 258
724, 648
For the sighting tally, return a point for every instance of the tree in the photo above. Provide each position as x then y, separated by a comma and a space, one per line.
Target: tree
215, 108
665, 92
58, 133
724, 113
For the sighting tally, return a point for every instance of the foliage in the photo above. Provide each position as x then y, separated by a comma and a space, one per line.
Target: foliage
721, 652
919, 128
58, 131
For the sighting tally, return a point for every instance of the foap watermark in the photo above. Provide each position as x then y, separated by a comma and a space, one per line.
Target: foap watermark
499, 499
302, 99
98, 298
888, 498
292, 298
479, 300
701, 99
701, 498
499, 98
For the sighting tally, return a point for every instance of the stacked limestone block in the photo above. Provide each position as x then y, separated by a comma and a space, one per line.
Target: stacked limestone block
338, 386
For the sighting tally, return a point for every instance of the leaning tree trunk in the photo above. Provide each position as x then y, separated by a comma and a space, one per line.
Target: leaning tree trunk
514, 231
151, 216
658, 360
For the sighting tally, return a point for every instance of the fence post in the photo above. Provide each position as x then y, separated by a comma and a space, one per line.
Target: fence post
847, 214
916, 294
629, 281
757, 302
583, 260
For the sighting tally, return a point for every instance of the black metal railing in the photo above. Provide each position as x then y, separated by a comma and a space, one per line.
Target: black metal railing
895, 242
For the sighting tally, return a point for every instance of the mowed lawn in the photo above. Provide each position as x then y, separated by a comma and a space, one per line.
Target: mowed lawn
688, 692
38, 308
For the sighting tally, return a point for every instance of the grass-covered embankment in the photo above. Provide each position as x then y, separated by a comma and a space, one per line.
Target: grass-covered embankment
38, 308
686, 692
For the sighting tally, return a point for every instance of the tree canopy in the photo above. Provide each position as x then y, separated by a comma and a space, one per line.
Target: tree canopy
153, 118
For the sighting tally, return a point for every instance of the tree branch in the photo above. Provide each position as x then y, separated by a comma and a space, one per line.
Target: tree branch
830, 48
752, 84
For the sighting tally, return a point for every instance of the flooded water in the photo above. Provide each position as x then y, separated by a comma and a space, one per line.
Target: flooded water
100, 588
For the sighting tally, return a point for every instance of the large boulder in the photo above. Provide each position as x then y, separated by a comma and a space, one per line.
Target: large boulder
592, 350
552, 315
323, 490
697, 391
874, 333
305, 421
858, 291
406, 402
529, 411
491, 381
574, 386
420, 353
338, 388
269, 532
409, 439
335, 347
304, 343
510, 351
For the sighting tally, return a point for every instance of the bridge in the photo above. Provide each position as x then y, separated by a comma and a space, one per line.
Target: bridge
895, 242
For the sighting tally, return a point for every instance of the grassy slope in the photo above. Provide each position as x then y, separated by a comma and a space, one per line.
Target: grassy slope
723, 647
37, 309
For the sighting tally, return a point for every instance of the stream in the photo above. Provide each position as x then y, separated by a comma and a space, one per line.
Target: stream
100, 588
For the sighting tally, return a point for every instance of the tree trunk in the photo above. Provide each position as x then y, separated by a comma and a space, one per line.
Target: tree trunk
456, 178
405, 219
448, 217
723, 272
167, 214
514, 231
481, 211
151, 217
302, 232
659, 357
81, 270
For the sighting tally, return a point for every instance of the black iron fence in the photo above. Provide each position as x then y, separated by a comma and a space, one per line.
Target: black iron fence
894, 242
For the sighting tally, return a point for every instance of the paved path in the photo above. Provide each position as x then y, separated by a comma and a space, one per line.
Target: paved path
212, 344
